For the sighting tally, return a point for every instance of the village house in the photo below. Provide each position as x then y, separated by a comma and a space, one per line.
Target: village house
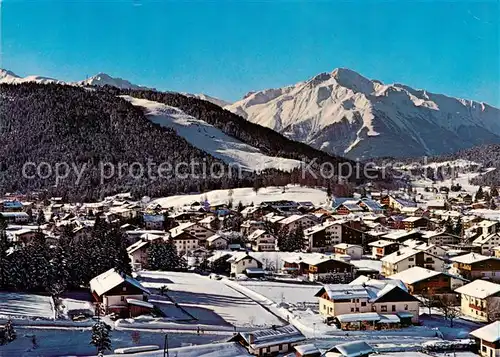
250, 226
399, 204
185, 242
24, 236
497, 251
153, 221
439, 238
242, 262
420, 281
406, 258
488, 338
318, 267
193, 229
11, 206
369, 301
15, 217
322, 237
473, 266
382, 248
352, 233
480, 300
348, 207
262, 241
116, 292
412, 211
269, 342
352, 250
414, 222
296, 221
487, 243
217, 242
138, 251
400, 235
251, 212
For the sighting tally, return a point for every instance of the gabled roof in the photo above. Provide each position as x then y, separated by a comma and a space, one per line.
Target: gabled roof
362, 288
400, 255
470, 258
353, 349
382, 243
490, 333
414, 275
271, 336
480, 289
110, 279
240, 256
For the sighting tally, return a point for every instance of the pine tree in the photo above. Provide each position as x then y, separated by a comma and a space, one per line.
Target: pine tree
4, 261
163, 256
240, 206
458, 227
479, 194
494, 191
9, 331
40, 219
101, 337
493, 205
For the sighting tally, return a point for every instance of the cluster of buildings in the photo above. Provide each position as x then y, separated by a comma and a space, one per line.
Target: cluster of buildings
425, 247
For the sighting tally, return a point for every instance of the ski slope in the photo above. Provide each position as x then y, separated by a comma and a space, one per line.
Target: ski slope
247, 196
208, 138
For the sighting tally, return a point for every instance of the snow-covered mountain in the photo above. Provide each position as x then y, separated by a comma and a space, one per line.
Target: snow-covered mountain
10, 77
102, 79
345, 113
220, 102
210, 139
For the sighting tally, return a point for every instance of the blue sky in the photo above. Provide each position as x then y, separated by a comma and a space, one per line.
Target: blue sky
227, 48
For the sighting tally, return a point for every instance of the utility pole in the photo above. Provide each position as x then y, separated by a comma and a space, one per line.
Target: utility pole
165, 346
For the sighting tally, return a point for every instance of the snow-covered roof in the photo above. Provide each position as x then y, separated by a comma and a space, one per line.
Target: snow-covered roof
381, 243
214, 238
483, 239
362, 288
346, 246
237, 257
412, 219
399, 233
111, 279
292, 218
354, 349
256, 234
414, 275
273, 336
136, 246
139, 303
480, 289
470, 258
490, 333
306, 349
322, 226
400, 255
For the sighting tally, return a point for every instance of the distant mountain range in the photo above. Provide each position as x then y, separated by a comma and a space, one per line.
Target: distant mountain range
347, 114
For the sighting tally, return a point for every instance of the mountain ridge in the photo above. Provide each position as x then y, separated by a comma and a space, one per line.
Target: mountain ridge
343, 112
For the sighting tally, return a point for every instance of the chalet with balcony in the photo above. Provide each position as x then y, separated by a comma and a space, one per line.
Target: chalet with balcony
474, 266
419, 280
480, 300
382, 248
366, 303
488, 338
116, 292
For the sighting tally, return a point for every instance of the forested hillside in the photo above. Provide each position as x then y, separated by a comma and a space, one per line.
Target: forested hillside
267, 140
48, 124
55, 123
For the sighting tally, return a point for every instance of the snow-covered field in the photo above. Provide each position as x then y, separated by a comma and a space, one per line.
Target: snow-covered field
285, 293
57, 342
210, 301
25, 306
210, 139
247, 196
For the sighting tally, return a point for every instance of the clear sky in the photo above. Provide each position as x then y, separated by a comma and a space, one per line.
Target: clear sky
227, 48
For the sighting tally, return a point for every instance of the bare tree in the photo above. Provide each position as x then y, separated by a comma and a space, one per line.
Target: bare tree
493, 309
428, 299
447, 305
